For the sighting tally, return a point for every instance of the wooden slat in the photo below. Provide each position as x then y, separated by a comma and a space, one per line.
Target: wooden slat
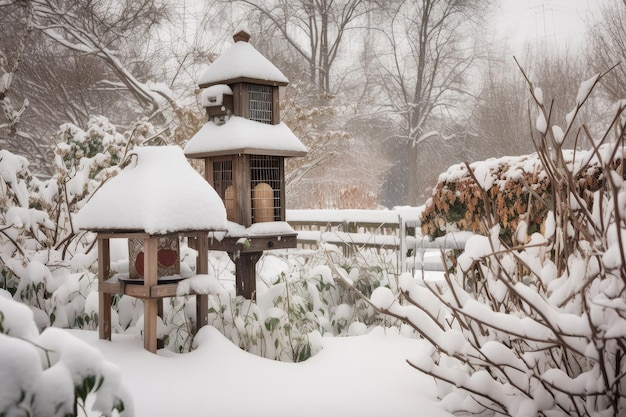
163, 290
135, 290
104, 298
253, 243
110, 287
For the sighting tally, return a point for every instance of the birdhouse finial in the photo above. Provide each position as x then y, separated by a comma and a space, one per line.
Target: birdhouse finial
241, 34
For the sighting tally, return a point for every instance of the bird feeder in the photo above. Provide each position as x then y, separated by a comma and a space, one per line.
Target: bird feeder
154, 202
244, 146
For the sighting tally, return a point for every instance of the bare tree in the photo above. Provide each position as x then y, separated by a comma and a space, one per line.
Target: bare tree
315, 29
10, 62
422, 58
103, 29
81, 58
608, 47
500, 117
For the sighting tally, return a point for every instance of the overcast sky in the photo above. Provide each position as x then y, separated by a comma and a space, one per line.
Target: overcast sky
555, 22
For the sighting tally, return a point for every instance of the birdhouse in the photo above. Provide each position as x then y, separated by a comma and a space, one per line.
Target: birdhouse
244, 145
154, 202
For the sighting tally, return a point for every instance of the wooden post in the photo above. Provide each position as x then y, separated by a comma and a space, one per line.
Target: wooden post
150, 305
104, 299
241, 181
202, 300
245, 271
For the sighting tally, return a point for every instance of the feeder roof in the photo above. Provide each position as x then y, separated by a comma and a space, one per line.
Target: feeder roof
239, 135
242, 63
158, 193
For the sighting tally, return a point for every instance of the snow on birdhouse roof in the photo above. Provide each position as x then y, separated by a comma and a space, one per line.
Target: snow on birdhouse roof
214, 95
159, 193
242, 136
242, 62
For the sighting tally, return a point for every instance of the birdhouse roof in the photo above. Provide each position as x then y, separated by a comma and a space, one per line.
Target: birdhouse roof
158, 193
242, 63
242, 136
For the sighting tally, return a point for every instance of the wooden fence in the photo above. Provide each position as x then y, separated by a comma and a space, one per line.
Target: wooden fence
380, 230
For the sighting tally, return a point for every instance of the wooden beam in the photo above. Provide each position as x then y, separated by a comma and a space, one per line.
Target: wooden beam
150, 305
254, 243
245, 273
241, 182
104, 298
202, 267
163, 290
110, 287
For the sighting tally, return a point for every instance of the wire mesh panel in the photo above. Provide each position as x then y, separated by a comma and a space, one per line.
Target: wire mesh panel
223, 184
260, 98
266, 184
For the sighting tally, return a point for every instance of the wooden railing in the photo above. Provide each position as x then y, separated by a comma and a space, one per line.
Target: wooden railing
381, 230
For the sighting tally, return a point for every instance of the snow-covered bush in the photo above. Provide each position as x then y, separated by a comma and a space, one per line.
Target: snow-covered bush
45, 261
535, 329
299, 301
53, 373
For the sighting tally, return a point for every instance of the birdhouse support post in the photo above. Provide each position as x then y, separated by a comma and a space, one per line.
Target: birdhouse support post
150, 305
245, 271
104, 298
202, 267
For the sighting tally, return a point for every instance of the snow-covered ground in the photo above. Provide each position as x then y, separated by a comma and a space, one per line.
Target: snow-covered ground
352, 376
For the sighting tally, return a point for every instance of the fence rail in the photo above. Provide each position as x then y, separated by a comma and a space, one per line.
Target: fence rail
381, 230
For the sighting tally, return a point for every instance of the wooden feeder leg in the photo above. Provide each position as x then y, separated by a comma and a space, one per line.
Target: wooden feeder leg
202, 267
160, 302
104, 299
150, 305
245, 274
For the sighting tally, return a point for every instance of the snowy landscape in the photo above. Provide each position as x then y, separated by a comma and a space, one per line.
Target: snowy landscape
319, 209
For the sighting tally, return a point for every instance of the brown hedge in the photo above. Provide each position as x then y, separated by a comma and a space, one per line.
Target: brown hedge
517, 189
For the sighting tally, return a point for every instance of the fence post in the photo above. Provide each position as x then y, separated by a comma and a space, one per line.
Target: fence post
401, 244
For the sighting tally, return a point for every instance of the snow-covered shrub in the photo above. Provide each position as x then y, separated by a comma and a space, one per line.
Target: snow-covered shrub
45, 262
536, 329
299, 301
53, 373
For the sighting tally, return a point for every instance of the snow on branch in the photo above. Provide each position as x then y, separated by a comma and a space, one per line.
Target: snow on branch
531, 322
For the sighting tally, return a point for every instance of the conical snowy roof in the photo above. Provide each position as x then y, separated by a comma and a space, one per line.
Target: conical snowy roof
158, 193
242, 63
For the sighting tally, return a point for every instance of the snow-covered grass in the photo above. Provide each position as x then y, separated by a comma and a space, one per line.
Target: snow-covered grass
351, 376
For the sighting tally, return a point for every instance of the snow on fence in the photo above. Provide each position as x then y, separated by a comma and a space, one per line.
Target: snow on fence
397, 230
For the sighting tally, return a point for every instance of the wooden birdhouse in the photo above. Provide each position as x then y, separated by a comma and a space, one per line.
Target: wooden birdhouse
244, 144
154, 202
244, 149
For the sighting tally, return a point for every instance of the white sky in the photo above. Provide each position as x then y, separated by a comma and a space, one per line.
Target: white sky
553, 22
